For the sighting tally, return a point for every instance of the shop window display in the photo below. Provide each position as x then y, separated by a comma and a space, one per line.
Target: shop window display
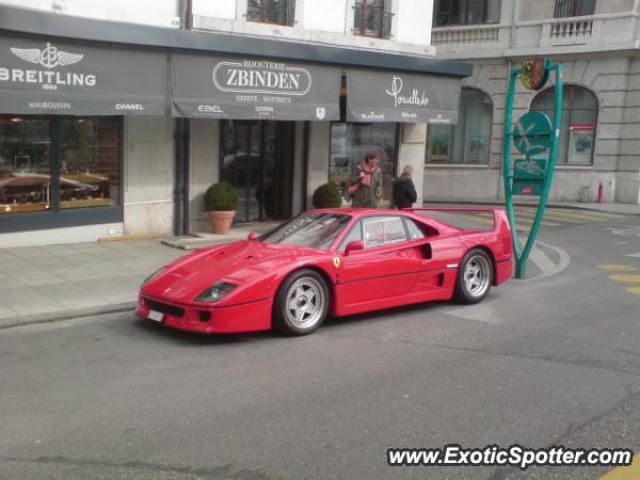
579, 120
53, 163
468, 141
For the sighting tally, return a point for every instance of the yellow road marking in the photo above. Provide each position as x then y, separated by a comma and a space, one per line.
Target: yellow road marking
635, 290
486, 221
611, 267
550, 215
632, 472
625, 278
528, 222
587, 215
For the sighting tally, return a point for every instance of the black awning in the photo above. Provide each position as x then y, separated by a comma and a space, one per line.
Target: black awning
54, 76
381, 96
246, 88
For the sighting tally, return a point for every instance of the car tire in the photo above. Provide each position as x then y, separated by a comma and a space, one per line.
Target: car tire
301, 304
475, 276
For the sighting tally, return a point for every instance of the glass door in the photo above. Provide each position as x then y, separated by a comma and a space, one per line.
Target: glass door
257, 160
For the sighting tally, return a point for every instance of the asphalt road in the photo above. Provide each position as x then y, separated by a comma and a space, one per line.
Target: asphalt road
547, 361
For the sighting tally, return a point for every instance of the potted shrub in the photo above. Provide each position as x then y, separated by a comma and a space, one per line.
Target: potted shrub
220, 202
327, 196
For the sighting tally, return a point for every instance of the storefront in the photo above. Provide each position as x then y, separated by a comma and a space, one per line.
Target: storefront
123, 133
62, 109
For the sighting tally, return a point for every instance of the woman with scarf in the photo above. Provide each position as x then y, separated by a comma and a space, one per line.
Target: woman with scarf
365, 184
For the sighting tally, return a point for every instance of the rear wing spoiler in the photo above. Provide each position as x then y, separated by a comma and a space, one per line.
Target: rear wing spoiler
500, 220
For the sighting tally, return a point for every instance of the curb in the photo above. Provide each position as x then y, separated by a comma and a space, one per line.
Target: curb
22, 320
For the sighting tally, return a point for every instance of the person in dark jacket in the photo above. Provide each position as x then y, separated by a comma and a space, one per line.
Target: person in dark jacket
404, 191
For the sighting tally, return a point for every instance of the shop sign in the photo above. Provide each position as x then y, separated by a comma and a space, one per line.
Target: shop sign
54, 76
402, 97
252, 88
532, 134
260, 76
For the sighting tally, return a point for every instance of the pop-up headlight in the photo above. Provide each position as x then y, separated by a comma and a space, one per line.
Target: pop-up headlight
215, 293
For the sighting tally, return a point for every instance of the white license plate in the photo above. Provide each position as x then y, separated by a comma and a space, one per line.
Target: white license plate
156, 316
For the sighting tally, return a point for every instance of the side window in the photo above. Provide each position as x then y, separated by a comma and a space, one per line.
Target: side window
383, 231
394, 231
354, 235
415, 232
373, 233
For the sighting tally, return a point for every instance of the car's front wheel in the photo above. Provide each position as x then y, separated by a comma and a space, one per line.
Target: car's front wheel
302, 303
475, 275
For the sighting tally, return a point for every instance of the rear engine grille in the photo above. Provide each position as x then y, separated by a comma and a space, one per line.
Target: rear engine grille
164, 308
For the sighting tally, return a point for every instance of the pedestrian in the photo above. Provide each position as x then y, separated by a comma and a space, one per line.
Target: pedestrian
404, 190
365, 184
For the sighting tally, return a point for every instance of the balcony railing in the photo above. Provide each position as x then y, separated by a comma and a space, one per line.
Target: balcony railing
278, 12
468, 34
571, 29
371, 20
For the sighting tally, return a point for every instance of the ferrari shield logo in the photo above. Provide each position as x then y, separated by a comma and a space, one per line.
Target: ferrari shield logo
337, 261
320, 113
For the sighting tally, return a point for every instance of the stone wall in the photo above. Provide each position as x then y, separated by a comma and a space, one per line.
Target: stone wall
614, 79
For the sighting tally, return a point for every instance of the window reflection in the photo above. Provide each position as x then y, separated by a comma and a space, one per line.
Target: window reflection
25, 170
89, 151
351, 142
469, 140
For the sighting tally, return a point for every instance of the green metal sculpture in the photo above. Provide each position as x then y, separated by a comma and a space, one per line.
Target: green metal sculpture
533, 135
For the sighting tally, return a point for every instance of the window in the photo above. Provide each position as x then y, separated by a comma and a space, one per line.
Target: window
415, 232
318, 230
574, 8
53, 163
380, 231
279, 12
351, 142
371, 18
465, 12
470, 140
578, 126
89, 161
354, 235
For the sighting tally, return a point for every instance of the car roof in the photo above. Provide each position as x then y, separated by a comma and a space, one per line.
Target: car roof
363, 212
359, 212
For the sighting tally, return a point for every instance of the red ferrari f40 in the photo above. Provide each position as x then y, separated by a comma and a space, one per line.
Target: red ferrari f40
328, 262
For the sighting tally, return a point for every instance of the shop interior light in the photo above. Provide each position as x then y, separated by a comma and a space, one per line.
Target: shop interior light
16, 119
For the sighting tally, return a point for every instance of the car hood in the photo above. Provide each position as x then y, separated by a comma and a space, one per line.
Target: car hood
242, 263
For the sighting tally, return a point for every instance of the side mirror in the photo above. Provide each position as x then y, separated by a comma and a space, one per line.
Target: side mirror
353, 247
252, 236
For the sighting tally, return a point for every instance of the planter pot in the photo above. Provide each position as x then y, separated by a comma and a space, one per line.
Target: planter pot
220, 221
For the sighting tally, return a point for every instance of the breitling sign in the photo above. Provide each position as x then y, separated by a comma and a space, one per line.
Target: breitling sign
51, 76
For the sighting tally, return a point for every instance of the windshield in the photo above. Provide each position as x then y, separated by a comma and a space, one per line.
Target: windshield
318, 230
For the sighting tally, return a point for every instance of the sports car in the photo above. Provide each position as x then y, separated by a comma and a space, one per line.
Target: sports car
328, 262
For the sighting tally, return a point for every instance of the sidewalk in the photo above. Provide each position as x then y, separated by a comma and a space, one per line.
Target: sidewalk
63, 281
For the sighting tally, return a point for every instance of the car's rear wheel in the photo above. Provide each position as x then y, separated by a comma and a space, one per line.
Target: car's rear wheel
475, 275
302, 303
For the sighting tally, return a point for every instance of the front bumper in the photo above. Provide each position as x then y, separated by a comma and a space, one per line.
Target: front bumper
247, 317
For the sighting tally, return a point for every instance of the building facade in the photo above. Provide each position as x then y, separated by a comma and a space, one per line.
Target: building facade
596, 40
116, 116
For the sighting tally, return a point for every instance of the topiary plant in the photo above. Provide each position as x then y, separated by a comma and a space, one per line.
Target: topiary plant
327, 196
220, 196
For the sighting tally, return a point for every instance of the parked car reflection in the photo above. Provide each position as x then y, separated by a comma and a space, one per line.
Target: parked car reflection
28, 191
